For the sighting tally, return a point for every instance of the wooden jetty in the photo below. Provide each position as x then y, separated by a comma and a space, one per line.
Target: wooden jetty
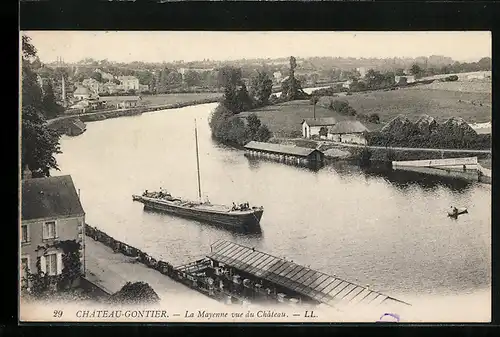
253, 275
284, 153
462, 168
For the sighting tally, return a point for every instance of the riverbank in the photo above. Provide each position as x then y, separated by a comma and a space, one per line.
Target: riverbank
60, 122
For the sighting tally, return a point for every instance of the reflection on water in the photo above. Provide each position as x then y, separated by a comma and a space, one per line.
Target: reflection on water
384, 228
406, 179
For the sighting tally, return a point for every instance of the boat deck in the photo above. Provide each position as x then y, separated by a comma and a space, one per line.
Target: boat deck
196, 205
316, 285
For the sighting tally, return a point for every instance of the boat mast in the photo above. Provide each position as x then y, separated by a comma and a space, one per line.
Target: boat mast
197, 159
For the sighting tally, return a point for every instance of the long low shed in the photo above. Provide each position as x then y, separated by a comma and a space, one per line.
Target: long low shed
312, 155
312, 284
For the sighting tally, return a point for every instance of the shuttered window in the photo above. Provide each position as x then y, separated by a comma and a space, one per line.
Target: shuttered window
49, 230
52, 263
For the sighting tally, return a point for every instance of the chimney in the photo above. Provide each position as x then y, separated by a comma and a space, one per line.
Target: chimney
26, 173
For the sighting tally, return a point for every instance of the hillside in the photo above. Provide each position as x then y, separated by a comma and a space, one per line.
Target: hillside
441, 101
284, 119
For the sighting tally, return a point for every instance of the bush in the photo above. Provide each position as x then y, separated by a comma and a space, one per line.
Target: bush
135, 293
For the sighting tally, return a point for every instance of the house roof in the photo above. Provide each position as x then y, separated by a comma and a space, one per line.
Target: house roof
127, 78
49, 197
348, 127
279, 148
81, 91
119, 98
325, 121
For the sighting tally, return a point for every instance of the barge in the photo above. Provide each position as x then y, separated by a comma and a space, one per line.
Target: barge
239, 217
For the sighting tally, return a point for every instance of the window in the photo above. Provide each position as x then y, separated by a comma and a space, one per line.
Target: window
51, 264
24, 233
49, 230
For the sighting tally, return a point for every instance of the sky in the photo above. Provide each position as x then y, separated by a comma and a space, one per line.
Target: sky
168, 46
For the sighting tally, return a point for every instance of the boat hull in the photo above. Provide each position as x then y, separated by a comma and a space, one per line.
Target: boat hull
248, 220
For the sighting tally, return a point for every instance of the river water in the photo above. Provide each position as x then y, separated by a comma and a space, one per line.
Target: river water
386, 229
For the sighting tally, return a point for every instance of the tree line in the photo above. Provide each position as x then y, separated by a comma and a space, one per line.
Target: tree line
39, 143
227, 126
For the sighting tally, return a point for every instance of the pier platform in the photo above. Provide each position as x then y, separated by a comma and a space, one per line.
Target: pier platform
260, 276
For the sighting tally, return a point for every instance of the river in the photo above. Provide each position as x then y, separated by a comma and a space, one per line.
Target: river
386, 229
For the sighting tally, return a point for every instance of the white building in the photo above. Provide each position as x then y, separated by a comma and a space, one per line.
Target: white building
92, 84
406, 79
277, 76
82, 93
348, 132
129, 82
313, 126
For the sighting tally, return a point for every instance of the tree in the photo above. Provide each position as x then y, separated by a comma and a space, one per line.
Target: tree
261, 87
135, 293
39, 144
400, 72
96, 76
416, 70
192, 78
314, 101
51, 108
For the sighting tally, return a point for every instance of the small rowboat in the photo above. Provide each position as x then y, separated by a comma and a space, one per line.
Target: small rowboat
460, 212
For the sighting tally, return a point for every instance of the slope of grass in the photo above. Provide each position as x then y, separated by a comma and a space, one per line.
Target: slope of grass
441, 103
284, 119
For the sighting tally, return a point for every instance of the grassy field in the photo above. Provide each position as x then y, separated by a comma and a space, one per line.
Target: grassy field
284, 119
439, 100
164, 99
470, 100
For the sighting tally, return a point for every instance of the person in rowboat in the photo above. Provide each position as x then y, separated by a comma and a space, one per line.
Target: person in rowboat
454, 210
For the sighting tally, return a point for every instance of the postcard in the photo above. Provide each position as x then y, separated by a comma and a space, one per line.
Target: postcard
255, 177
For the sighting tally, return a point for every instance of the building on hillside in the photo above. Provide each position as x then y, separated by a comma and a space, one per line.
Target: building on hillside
347, 84
111, 88
348, 132
143, 87
277, 76
403, 80
183, 71
82, 93
51, 212
362, 71
316, 126
121, 102
92, 84
129, 82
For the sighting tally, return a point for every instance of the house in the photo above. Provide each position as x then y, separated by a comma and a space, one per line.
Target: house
143, 87
406, 79
348, 132
121, 102
92, 84
277, 76
312, 126
129, 82
51, 212
111, 88
82, 93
